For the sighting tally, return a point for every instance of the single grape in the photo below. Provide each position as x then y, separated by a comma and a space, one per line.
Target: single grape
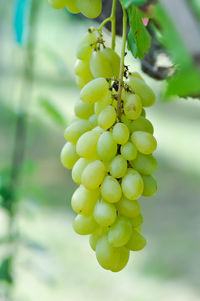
68, 155
89, 8
58, 4
86, 146
93, 120
107, 117
72, 7
126, 121
83, 110
137, 241
114, 60
132, 185
84, 224
100, 65
93, 174
82, 69
133, 107
106, 147
120, 133
128, 208
128, 151
105, 213
145, 142
99, 106
84, 52
118, 167
82, 81
150, 186
123, 260
111, 190
78, 169
76, 129
95, 90
137, 220
98, 129
145, 164
95, 236
120, 232
141, 124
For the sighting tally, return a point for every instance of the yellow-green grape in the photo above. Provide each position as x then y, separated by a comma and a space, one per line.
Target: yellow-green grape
120, 133
104, 213
137, 221
145, 142
150, 186
111, 190
99, 106
128, 151
132, 185
95, 90
100, 65
140, 88
83, 110
84, 224
128, 208
82, 81
114, 60
143, 112
72, 7
94, 237
106, 147
68, 155
145, 164
58, 3
76, 129
141, 124
78, 169
93, 120
126, 121
120, 232
136, 74
93, 174
98, 129
106, 255
82, 69
86, 146
89, 38
84, 52
133, 107
107, 117
123, 260
139, 229
118, 167
137, 242
89, 8
84, 200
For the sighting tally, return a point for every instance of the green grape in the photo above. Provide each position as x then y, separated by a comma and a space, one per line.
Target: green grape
126, 121
86, 146
100, 65
58, 4
107, 256
84, 52
114, 60
118, 167
78, 169
132, 185
82, 69
76, 129
120, 232
84, 224
111, 190
137, 241
82, 81
137, 220
139, 229
107, 117
145, 164
128, 208
95, 236
150, 186
140, 88
99, 130
90, 8
123, 260
83, 110
143, 114
89, 39
145, 142
72, 7
93, 174
141, 124
128, 151
133, 107
106, 147
93, 120
136, 74
99, 106
105, 213
120, 133
84, 200
95, 90
68, 155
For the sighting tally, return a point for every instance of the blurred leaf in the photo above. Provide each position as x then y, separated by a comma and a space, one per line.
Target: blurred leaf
6, 270
52, 111
5, 193
127, 3
195, 4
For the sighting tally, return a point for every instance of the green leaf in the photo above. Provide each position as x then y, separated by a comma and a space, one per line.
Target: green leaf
127, 3
139, 40
6, 270
52, 111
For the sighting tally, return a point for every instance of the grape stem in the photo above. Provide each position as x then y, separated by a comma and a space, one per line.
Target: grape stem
121, 75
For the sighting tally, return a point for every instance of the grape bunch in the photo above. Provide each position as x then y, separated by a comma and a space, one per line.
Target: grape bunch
109, 149
89, 8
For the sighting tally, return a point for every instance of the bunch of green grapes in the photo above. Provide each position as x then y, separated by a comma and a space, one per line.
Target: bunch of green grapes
89, 8
109, 149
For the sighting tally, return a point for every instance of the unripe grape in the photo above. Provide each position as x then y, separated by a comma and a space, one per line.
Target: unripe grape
118, 167
58, 4
78, 169
137, 220
95, 236
120, 232
82, 69
128, 208
140, 88
84, 52
93, 120
141, 124
120, 133
114, 60
82, 81
145, 142
86, 146
84, 224
72, 7
84, 200
105, 213
137, 241
150, 186
132, 185
145, 164
133, 107
111, 190
107, 117
83, 110
93, 174
100, 65
76, 129
106, 147
95, 90
68, 155
123, 260
99, 106
128, 151
89, 8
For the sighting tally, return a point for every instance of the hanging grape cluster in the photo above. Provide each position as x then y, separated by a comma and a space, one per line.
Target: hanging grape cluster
109, 149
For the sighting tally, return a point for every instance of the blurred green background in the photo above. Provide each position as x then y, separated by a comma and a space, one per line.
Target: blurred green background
51, 262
